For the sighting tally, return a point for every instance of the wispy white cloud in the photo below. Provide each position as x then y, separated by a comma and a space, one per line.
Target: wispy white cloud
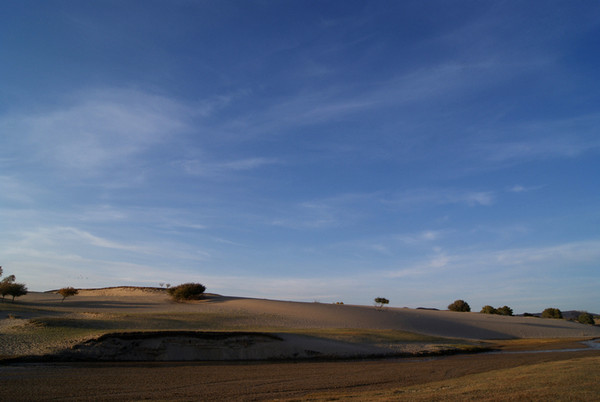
12, 189
198, 167
328, 212
528, 261
89, 238
97, 130
338, 102
66, 240
426, 236
436, 196
61, 235
156, 217
517, 188
542, 139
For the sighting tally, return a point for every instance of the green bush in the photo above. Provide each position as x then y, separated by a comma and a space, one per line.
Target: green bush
586, 318
187, 291
552, 313
488, 310
459, 305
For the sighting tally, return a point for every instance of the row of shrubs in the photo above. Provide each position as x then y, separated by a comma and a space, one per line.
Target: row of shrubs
551, 312
504, 310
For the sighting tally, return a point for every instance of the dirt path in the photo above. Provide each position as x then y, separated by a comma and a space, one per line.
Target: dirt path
243, 381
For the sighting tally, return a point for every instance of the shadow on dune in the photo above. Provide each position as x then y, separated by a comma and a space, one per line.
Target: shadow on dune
95, 304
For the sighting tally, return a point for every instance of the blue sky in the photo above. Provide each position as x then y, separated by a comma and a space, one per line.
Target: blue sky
298, 150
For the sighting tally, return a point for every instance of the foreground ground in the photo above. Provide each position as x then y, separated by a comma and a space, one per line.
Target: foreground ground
556, 376
40, 324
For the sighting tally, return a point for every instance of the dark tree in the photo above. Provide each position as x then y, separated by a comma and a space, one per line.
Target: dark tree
16, 290
459, 305
380, 301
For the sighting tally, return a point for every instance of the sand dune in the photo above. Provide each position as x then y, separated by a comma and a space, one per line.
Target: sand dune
286, 314
273, 323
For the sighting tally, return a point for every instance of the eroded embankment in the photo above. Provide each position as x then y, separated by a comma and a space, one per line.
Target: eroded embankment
230, 346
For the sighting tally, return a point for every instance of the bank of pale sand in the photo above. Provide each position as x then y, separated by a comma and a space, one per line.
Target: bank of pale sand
286, 316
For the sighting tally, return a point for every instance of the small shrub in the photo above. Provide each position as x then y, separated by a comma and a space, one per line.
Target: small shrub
586, 318
488, 310
380, 301
67, 292
187, 291
459, 305
552, 313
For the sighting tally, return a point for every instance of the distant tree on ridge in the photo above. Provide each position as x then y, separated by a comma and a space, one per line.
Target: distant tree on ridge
459, 305
380, 301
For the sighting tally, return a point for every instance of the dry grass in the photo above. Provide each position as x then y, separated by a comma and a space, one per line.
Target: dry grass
569, 380
537, 344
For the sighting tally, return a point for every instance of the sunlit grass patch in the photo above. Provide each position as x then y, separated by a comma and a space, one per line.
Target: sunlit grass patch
537, 344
